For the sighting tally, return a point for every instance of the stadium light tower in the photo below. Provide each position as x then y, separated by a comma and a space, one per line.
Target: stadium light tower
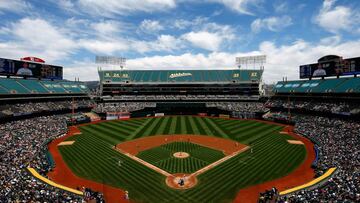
111, 60
254, 61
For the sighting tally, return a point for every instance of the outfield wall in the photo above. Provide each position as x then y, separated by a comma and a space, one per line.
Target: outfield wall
49, 182
312, 183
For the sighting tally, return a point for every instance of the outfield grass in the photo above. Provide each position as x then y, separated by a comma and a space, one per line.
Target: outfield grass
163, 158
91, 157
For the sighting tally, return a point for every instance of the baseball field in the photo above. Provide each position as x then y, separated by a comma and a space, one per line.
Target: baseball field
266, 155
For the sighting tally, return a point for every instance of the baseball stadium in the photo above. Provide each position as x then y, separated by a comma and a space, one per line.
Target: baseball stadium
178, 136
169, 134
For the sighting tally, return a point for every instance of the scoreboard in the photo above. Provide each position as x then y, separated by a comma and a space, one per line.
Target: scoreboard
11, 67
328, 68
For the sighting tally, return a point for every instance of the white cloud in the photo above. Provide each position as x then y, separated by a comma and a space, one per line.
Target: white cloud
210, 36
124, 7
151, 26
273, 24
332, 40
15, 6
67, 5
103, 46
336, 18
204, 40
86, 70
183, 24
162, 43
281, 7
111, 46
37, 37
240, 6
107, 28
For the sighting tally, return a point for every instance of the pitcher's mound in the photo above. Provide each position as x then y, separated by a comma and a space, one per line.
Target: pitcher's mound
181, 155
181, 181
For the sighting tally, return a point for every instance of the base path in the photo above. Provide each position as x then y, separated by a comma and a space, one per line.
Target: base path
61, 174
303, 174
227, 146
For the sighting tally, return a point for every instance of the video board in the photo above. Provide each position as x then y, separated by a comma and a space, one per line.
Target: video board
330, 68
10, 67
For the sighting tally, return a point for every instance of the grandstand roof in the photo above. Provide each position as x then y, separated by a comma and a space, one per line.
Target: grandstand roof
337, 85
179, 76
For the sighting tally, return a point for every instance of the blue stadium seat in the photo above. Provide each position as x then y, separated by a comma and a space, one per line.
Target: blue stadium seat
327, 86
337, 85
71, 87
349, 85
54, 87
13, 86
3, 90
34, 86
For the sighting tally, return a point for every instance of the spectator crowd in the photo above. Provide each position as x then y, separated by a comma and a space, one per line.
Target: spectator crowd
339, 144
318, 106
22, 145
179, 97
122, 106
34, 107
248, 107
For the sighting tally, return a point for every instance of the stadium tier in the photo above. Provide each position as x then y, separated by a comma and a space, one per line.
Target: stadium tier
338, 85
44, 87
183, 82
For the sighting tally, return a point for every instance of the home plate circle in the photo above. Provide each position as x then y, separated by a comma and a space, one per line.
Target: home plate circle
181, 181
181, 155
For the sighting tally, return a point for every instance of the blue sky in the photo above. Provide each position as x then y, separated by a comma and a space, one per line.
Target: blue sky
179, 34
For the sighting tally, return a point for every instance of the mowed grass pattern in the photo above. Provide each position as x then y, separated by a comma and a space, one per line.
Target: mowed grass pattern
92, 157
163, 158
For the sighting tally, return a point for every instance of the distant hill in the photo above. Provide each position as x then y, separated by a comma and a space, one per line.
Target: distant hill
92, 85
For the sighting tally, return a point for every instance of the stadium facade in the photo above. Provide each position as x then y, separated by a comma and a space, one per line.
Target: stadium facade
234, 84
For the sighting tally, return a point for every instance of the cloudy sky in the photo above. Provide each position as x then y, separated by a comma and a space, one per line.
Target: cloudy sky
181, 34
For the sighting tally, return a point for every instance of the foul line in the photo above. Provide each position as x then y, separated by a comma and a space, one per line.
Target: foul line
200, 171
208, 167
143, 162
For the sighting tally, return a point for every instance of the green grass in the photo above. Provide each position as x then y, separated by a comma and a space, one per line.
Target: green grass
163, 158
91, 157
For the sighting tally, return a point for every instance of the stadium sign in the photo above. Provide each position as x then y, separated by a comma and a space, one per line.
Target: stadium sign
177, 75
33, 59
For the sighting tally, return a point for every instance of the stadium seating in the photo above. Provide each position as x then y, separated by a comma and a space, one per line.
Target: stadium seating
337, 85
53, 87
33, 86
3, 90
328, 86
349, 85
236, 75
71, 87
13, 86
